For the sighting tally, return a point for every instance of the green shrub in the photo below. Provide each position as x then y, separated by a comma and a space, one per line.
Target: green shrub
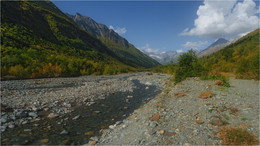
188, 66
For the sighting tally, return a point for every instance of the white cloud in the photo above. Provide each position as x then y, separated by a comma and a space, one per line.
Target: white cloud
111, 27
180, 51
218, 18
194, 45
147, 49
118, 30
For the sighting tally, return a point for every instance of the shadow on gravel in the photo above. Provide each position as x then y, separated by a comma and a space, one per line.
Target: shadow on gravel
100, 115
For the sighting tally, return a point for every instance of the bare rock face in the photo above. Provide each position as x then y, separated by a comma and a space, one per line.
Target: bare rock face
217, 45
99, 30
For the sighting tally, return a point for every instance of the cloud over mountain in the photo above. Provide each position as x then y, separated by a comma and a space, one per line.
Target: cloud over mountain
148, 49
194, 45
118, 30
218, 18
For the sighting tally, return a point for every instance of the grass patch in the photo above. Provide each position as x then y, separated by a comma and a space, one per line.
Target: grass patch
211, 110
236, 136
220, 80
244, 119
141, 106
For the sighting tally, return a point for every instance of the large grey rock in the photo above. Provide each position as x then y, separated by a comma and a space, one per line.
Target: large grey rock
20, 113
33, 114
64, 132
5, 119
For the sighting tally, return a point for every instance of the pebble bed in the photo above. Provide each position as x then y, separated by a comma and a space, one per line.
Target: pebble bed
188, 120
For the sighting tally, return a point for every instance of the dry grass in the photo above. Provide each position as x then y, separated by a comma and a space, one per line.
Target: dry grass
219, 82
205, 94
156, 117
199, 121
234, 110
236, 136
180, 94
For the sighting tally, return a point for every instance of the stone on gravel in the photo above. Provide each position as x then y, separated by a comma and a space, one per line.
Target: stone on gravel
24, 122
148, 83
76, 117
33, 114
216, 122
5, 119
52, 115
136, 142
153, 125
64, 132
3, 128
11, 126
95, 138
112, 126
20, 113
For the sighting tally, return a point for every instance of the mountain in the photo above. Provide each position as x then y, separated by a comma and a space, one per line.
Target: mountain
214, 47
240, 57
125, 51
38, 40
164, 57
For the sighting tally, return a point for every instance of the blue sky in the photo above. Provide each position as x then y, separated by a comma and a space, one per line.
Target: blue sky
170, 25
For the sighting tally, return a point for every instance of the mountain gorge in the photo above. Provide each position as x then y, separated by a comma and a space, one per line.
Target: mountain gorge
125, 51
38, 40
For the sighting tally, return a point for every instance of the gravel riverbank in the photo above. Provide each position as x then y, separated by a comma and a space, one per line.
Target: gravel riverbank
60, 103
187, 119
124, 109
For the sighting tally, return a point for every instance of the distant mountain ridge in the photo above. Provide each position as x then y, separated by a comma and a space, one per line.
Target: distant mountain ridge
125, 51
164, 57
214, 47
97, 29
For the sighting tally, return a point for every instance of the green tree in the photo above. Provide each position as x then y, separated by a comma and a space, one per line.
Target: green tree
188, 66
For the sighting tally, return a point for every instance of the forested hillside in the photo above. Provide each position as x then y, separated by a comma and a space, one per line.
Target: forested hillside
240, 57
38, 40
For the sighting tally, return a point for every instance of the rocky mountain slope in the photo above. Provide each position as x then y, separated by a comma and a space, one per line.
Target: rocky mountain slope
125, 51
214, 47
